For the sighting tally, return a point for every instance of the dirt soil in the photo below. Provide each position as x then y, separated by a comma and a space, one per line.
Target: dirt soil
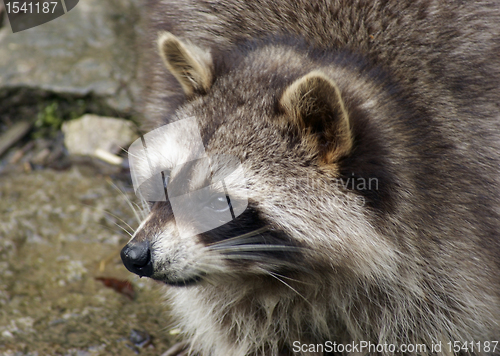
59, 246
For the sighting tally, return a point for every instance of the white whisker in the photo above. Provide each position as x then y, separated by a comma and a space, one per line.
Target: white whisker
289, 286
125, 230
127, 200
257, 247
231, 240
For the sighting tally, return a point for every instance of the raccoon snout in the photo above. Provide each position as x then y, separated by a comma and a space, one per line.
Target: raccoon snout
136, 257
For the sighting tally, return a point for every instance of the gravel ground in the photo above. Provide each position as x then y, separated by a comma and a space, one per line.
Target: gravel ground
59, 261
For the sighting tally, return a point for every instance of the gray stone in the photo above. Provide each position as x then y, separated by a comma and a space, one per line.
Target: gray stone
89, 133
89, 50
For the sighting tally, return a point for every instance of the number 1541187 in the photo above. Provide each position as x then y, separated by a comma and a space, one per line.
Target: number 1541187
31, 8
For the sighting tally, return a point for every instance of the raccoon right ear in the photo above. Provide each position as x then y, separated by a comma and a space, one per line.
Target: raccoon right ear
189, 64
314, 104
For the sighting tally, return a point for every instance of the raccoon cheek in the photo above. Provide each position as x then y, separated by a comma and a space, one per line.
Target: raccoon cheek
314, 104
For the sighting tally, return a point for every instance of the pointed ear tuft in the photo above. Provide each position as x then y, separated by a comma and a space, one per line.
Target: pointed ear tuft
189, 64
314, 104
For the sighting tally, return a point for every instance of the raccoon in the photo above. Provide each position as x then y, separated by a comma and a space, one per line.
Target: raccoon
369, 137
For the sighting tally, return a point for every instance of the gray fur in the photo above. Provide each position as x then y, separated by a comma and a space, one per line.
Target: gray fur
416, 260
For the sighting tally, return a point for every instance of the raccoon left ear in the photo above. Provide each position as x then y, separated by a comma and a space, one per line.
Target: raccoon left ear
314, 104
190, 65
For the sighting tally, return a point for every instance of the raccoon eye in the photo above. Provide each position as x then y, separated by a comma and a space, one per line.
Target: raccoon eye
219, 203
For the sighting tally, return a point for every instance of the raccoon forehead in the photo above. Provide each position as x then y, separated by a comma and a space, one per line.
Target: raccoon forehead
250, 82
199, 174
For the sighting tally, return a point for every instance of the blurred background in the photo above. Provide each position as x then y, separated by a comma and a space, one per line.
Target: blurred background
67, 94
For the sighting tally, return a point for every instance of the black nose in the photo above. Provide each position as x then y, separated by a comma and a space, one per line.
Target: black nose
136, 257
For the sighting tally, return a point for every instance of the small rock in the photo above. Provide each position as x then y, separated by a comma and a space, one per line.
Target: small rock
91, 133
7, 334
41, 156
140, 338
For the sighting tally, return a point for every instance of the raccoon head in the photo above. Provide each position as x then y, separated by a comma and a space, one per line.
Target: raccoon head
283, 119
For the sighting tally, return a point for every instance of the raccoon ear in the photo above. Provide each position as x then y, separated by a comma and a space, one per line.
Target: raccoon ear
314, 104
189, 64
